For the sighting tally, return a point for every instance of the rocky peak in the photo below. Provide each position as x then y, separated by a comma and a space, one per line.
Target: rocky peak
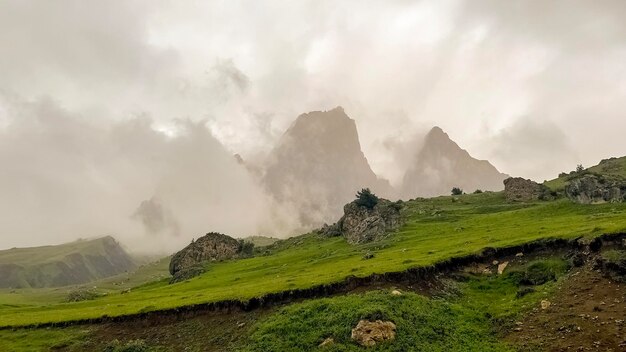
441, 164
318, 165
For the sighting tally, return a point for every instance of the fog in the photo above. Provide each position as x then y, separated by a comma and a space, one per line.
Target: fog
105, 105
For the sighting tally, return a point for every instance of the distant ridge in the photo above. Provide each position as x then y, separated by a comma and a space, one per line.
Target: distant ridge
71, 263
441, 164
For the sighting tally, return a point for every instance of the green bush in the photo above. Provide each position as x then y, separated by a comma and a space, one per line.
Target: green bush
365, 198
456, 191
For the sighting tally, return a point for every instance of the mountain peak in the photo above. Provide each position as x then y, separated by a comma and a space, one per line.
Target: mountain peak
442, 164
319, 160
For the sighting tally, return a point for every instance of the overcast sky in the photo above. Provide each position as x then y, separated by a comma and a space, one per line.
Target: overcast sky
536, 87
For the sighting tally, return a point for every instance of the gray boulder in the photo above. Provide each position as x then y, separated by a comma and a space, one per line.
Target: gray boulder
517, 189
590, 188
361, 224
212, 247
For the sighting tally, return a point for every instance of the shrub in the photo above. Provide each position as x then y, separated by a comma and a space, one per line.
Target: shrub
246, 248
456, 191
478, 191
81, 295
579, 168
365, 198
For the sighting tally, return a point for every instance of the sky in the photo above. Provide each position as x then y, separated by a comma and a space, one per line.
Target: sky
99, 98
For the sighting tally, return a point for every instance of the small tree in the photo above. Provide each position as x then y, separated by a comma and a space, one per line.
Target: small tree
579, 168
478, 191
456, 191
365, 198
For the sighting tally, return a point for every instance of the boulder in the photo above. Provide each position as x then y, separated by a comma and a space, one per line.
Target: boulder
213, 246
369, 333
517, 189
589, 189
361, 224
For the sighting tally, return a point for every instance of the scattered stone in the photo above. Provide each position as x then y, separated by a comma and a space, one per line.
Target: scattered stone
369, 333
545, 304
396, 293
329, 341
501, 267
519, 255
495, 262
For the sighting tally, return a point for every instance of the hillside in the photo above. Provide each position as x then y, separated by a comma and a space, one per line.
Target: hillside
437, 229
61, 265
612, 169
318, 166
441, 165
472, 272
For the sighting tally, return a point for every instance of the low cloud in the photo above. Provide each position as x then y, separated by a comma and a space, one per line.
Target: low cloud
65, 177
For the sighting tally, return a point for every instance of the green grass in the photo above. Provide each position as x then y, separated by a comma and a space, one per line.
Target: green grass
35, 340
473, 320
437, 229
614, 168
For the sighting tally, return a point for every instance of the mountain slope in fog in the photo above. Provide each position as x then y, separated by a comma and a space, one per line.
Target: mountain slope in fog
67, 264
441, 165
318, 166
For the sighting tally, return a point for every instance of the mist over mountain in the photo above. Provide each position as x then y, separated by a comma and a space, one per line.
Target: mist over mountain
318, 166
441, 165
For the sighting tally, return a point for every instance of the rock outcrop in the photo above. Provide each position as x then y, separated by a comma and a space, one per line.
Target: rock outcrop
189, 262
517, 189
318, 165
361, 224
441, 165
590, 188
369, 333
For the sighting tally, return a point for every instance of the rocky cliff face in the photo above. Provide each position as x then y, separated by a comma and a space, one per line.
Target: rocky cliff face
590, 188
213, 246
441, 164
361, 224
318, 165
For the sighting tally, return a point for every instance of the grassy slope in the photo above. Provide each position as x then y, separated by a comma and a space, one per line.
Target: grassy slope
470, 319
157, 270
612, 168
41, 265
437, 229
48, 254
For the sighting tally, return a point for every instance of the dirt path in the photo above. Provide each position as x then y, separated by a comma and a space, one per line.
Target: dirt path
587, 313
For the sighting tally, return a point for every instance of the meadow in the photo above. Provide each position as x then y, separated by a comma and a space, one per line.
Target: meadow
436, 229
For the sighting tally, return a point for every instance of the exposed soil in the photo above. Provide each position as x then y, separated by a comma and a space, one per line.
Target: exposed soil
214, 331
586, 313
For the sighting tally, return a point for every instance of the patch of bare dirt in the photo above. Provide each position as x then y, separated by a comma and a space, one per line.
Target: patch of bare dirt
215, 331
587, 313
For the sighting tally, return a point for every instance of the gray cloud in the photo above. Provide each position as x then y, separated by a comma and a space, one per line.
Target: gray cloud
496, 75
64, 177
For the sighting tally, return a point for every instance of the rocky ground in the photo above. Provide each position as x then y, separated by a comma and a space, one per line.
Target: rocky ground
587, 313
